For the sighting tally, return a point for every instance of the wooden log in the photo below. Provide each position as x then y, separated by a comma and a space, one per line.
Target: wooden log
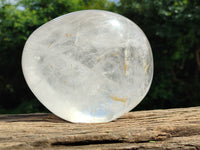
155, 129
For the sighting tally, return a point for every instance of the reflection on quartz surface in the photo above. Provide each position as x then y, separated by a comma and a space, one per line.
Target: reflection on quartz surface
115, 23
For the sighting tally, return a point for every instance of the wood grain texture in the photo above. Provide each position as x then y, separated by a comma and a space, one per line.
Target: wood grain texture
155, 129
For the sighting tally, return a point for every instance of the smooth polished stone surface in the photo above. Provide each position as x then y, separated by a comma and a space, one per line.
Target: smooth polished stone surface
88, 66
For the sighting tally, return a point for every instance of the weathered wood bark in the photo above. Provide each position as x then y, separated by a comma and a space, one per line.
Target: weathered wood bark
156, 129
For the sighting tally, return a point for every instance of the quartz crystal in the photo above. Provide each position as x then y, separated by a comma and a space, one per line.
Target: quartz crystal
88, 66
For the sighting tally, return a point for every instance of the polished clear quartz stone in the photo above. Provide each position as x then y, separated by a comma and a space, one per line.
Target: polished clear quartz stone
88, 66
